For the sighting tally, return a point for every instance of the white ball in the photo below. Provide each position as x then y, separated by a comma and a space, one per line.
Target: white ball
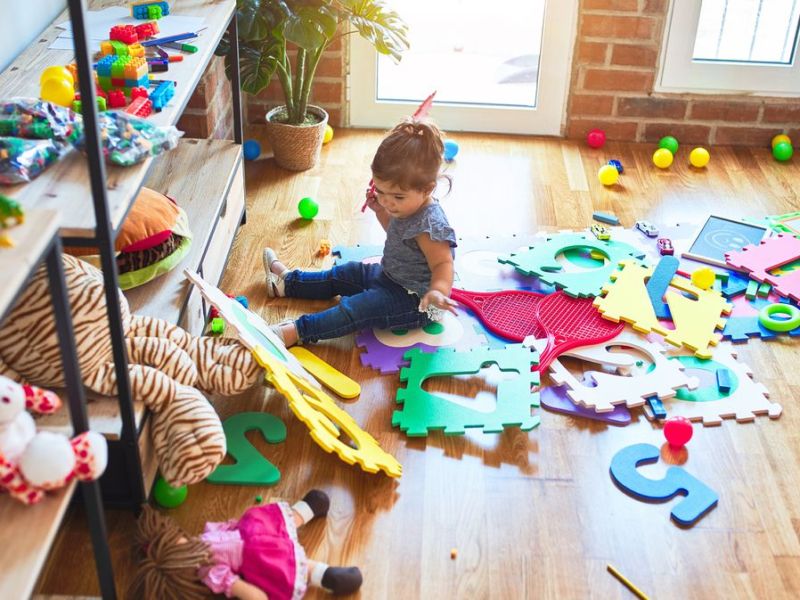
48, 460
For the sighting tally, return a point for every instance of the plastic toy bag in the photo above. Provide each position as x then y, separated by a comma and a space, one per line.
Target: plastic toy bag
22, 160
36, 119
128, 140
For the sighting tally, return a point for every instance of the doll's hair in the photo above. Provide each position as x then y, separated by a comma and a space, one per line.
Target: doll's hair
410, 155
167, 566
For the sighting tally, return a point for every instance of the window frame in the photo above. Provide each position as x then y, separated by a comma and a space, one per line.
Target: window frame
678, 72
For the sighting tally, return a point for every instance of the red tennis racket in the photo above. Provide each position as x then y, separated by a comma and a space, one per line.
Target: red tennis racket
511, 314
570, 323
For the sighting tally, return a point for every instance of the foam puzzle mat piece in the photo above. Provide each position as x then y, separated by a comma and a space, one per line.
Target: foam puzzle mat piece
746, 400
541, 261
357, 253
554, 398
658, 284
760, 260
662, 380
330, 377
743, 323
250, 468
695, 319
423, 412
698, 500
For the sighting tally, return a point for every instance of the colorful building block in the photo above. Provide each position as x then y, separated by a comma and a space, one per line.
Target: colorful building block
116, 99
123, 33
162, 94
149, 10
140, 107
146, 30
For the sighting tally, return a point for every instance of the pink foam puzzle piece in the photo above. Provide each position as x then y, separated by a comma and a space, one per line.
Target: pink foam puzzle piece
770, 254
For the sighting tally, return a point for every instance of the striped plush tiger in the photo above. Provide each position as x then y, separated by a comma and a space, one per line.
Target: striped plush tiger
167, 365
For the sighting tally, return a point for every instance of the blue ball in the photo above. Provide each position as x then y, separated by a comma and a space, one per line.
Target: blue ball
616, 164
450, 149
252, 150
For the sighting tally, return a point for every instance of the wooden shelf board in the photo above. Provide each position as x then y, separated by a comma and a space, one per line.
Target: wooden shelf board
65, 185
200, 192
30, 242
25, 539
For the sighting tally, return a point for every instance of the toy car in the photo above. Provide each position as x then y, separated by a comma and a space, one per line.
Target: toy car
601, 232
647, 228
665, 246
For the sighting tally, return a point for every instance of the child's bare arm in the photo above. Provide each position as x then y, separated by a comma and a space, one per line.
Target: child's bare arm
440, 262
247, 591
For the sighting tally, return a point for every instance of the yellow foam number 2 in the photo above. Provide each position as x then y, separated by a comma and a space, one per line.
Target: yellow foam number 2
251, 468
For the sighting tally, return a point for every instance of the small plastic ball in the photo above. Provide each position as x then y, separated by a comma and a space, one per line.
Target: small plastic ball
703, 278
328, 134
608, 175
57, 72
596, 138
782, 151
699, 157
450, 149
167, 496
307, 208
670, 143
678, 431
251, 149
662, 158
58, 91
617, 165
781, 137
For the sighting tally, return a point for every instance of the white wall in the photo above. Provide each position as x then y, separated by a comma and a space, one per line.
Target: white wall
22, 23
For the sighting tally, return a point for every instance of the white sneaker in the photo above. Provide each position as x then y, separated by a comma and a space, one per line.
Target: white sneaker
274, 281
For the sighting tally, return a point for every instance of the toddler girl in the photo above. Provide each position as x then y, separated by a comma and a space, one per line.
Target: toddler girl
413, 281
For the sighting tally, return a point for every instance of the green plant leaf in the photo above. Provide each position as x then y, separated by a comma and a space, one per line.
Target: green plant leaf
304, 32
377, 24
256, 67
251, 18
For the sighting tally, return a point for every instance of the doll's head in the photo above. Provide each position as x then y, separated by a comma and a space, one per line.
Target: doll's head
168, 560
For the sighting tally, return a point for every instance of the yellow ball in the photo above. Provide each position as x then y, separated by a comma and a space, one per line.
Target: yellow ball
662, 158
608, 175
699, 157
328, 134
703, 278
781, 137
58, 91
57, 72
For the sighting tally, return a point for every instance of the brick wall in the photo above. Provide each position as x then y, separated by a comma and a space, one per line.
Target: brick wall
613, 73
209, 112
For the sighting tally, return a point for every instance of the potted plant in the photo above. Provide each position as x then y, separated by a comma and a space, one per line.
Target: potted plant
287, 38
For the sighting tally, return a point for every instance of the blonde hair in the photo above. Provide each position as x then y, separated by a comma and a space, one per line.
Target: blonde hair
168, 560
410, 156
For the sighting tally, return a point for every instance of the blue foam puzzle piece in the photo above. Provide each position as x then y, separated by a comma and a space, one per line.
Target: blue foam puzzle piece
657, 407
699, 497
659, 282
736, 284
355, 253
605, 218
724, 381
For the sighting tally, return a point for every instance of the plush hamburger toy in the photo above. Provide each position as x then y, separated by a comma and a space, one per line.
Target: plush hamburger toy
154, 238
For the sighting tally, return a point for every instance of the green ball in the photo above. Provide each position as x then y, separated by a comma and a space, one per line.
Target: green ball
670, 143
307, 208
782, 151
167, 496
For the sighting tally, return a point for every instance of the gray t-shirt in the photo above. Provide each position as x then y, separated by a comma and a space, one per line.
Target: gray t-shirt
403, 261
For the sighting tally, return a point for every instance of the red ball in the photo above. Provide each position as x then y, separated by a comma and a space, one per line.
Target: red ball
596, 138
678, 431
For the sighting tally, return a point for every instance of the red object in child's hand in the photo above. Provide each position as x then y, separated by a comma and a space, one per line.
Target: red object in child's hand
371, 195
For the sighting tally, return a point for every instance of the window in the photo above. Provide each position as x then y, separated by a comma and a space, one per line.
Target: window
746, 46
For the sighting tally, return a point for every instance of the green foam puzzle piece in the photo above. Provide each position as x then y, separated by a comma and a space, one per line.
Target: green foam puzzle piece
541, 261
423, 411
251, 467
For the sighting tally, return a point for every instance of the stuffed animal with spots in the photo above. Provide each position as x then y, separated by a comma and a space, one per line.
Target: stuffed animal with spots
31, 462
168, 367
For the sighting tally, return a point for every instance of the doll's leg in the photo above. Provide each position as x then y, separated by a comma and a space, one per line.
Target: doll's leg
314, 504
336, 580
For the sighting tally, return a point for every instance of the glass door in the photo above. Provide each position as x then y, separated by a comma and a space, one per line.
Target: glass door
500, 66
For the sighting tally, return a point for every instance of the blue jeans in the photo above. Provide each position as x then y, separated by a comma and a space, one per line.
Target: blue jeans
369, 299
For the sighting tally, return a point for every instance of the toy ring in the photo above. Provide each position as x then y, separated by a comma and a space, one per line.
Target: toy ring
765, 317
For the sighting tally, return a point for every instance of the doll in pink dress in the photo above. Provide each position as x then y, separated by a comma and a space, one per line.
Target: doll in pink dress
255, 557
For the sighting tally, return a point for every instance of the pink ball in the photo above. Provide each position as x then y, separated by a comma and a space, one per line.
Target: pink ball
678, 431
596, 138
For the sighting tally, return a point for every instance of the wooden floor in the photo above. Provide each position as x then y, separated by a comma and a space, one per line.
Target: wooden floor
531, 515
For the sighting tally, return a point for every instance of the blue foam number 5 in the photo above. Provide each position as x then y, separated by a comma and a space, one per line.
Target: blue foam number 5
699, 497
251, 467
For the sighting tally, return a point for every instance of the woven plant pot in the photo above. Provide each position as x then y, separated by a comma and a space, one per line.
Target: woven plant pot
296, 147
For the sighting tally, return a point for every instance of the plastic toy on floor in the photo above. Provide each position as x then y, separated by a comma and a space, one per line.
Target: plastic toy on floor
31, 462
695, 320
308, 402
760, 261
541, 260
423, 412
255, 556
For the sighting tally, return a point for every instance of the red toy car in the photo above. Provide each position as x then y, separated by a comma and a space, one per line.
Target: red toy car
665, 246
